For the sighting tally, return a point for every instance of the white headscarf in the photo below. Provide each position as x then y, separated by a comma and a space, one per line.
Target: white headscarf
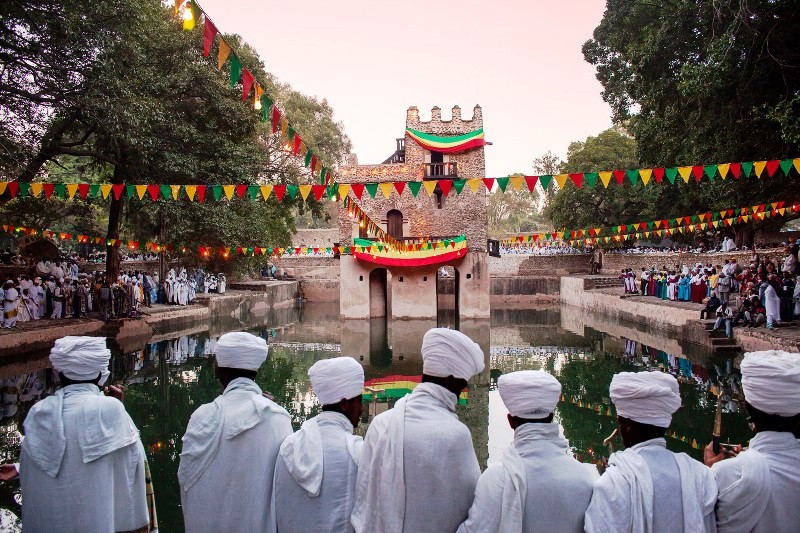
336, 379
81, 358
646, 397
529, 393
447, 352
771, 381
240, 349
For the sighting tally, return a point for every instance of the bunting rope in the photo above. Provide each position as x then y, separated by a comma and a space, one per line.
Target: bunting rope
661, 227
239, 74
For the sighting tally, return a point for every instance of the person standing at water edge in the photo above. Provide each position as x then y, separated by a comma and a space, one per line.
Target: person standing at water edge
418, 470
759, 489
527, 490
648, 488
315, 474
82, 466
230, 446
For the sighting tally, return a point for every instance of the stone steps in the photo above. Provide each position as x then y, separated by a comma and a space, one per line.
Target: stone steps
720, 343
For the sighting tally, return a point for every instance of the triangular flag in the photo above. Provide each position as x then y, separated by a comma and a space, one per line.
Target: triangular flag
153, 191
685, 173
446, 185
358, 189
796, 163
229, 190
544, 181
72, 188
36, 188
786, 166
265, 191
318, 191
502, 183
633, 176
759, 166
305, 190
659, 174
201, 193
698, 170
515, 181
94, 190
236, 70
605, 177
414, 187
209, 32
280, 191
723, 170
429, 186
474, 184
47, 187
224, 52
489, 183
343, 190
176, 191
386, 188
619, 176
747, 168
141, 190
247, 83
372, 189
772, 166
645, 174
190, 190
458, 185
530, 181
118, 188
711, 171
671, 173
561, 179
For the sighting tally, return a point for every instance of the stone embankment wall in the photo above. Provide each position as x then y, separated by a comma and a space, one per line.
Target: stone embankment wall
614, 263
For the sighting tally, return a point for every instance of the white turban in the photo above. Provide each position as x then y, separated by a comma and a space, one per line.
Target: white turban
337, 379
81, 358
447, 352
771, 381
646, 397
241, 350
529, 393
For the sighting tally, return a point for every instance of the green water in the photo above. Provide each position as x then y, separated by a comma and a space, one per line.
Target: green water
169, 378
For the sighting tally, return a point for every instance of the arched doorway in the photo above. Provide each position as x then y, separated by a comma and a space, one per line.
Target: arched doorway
394, 224
379, 295
447, 296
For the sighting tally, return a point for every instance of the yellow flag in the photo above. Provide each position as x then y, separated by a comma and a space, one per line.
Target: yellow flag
636, 226
305, 190
176, 190
605, 177
190, 190
266, 190
516, 182
474, 184
284, 127
723, 169
561, 179
229, 190
746, 218
386, 188
759, 166
72, 188
645, 174
796, 162
429, 186
36, 188
140, 190
3, 185
685, 172
782, 210
105, 190
224, 52
343, 190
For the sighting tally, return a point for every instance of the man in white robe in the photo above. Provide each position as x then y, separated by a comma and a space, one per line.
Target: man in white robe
759, 489
648, 488
315, 474
37, 295
10, 305
230, 446
82, 466
527, 490
418, 470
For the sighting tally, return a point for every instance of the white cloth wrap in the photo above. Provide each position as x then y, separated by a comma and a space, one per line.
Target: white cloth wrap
447, 352
106, 427
529, 393
336, 379
771, 381
303, 455
81, 358
240, 349
646, 397
201, 442
751, 494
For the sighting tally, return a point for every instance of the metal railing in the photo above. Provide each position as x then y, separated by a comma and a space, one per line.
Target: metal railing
440, 170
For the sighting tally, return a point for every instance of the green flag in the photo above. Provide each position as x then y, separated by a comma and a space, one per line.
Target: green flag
711, 171
266, 104
372, 189
747, 168
786, 166
292, 191
590, 178
672, 173
414, 187
458, 185
166, 192
217, 191
309, 155
131, 190
633, 176
236, 70
94, 190
502, 183
545, 180
253, 191
60, 190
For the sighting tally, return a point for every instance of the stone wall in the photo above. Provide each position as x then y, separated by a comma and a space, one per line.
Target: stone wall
614, 263
316, 238
319, 276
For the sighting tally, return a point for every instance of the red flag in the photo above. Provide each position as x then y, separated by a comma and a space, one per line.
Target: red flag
276, 118
296, 147
577, 179
399, 186
619, 175
280, 191
118, 189
445, 185
659, 174
48, 189
736, 169
201, 193
83, 189
209, 32
318, 190
698, 170
489, 183
531, 182
13, 188
241, 190
247, 83
314, 163
358, 189
154, 191
772, 166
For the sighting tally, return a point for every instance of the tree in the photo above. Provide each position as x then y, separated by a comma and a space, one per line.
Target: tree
513, 211
704, 82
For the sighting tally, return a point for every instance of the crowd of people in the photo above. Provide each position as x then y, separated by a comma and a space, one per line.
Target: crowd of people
61, 290
763, 292
243, 468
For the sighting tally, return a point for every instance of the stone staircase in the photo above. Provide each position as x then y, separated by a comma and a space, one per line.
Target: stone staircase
603, 283
720, 344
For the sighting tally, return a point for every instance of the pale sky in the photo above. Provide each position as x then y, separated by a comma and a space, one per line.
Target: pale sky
519, 59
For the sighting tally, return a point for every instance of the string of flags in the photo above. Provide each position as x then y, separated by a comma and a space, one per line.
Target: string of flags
192, 13
663, 227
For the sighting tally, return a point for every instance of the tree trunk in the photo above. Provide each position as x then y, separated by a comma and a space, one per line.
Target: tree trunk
745, 235
114, 215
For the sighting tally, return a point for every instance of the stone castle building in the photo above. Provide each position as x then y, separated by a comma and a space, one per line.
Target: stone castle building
370, 290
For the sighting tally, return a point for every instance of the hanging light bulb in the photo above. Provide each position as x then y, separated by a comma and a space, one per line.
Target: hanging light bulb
257, 105
187, 14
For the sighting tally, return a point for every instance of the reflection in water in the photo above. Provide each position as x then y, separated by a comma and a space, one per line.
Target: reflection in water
171, 376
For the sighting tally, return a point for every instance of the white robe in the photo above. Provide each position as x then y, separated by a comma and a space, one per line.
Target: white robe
647, 488
527, 490
10, 307
315, 476
228, 460
759, 490
433, 490
772, 304
82, 465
